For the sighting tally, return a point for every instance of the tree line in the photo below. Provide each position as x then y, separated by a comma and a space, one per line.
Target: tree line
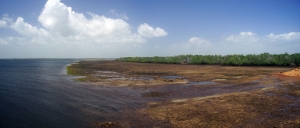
264, 59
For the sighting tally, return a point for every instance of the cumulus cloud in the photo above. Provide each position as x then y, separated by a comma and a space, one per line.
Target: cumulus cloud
249, 43
122, 15
194, 45
292, 36
33, 34
60, 24
246, 37
10, 40
147, 31
250, 37
66, 32
5, 21
198, 41
61, 20
26, 29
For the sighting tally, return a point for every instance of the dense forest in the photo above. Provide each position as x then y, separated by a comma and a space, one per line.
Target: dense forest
264, 59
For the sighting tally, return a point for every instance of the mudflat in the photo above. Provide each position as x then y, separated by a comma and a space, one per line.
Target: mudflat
179, 95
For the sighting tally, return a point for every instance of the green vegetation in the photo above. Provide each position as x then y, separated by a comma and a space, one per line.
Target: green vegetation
264, 59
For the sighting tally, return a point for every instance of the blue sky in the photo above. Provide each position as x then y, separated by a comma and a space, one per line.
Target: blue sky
117, 28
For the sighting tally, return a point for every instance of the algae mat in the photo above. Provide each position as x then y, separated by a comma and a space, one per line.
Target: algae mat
238, 96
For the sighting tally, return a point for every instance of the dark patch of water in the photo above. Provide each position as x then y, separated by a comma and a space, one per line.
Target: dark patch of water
243, 85
141, 78
38, 93
153, 94
171, 77
199, 83
181, 91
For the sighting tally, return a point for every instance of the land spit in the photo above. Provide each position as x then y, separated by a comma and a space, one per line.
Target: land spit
197, 95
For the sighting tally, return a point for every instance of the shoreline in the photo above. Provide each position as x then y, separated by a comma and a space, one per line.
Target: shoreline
250, 91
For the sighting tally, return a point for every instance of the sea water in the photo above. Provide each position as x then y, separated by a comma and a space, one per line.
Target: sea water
39, 93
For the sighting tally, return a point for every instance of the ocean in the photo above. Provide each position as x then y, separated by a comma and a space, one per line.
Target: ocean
39, 93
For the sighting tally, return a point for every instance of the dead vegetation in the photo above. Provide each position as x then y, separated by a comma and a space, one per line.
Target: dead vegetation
295, 72
127, 71
272, 100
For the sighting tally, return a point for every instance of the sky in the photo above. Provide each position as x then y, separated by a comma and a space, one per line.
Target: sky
121, 28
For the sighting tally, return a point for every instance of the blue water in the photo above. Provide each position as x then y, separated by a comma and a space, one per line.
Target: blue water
39, 93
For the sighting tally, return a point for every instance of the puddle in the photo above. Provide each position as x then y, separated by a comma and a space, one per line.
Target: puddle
195, 98
252, 85
199, 83
153, 94
107, 76
140, 78
117, 76
107, 72
177, 92
131, 78
238, 77
179, 100
171, 77
219, 79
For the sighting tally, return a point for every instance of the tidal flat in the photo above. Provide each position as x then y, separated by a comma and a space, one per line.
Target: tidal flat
181, 95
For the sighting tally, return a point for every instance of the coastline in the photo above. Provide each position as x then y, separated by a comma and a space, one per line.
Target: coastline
257, 93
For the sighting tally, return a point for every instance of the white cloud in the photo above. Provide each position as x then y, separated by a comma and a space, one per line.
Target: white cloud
243, 37
198, 41
249, 43
122, 15
62, 28
3, 23
250, 37
26, 29
61, 25
10, 40
65, 33
195, 45
147, 31
292, 36
61, 20
3, 41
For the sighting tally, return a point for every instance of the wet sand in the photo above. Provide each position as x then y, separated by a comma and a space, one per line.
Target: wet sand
197, 95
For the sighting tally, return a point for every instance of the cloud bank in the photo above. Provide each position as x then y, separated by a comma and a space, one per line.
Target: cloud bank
61, 24
292, 36
243, 37
250, 37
